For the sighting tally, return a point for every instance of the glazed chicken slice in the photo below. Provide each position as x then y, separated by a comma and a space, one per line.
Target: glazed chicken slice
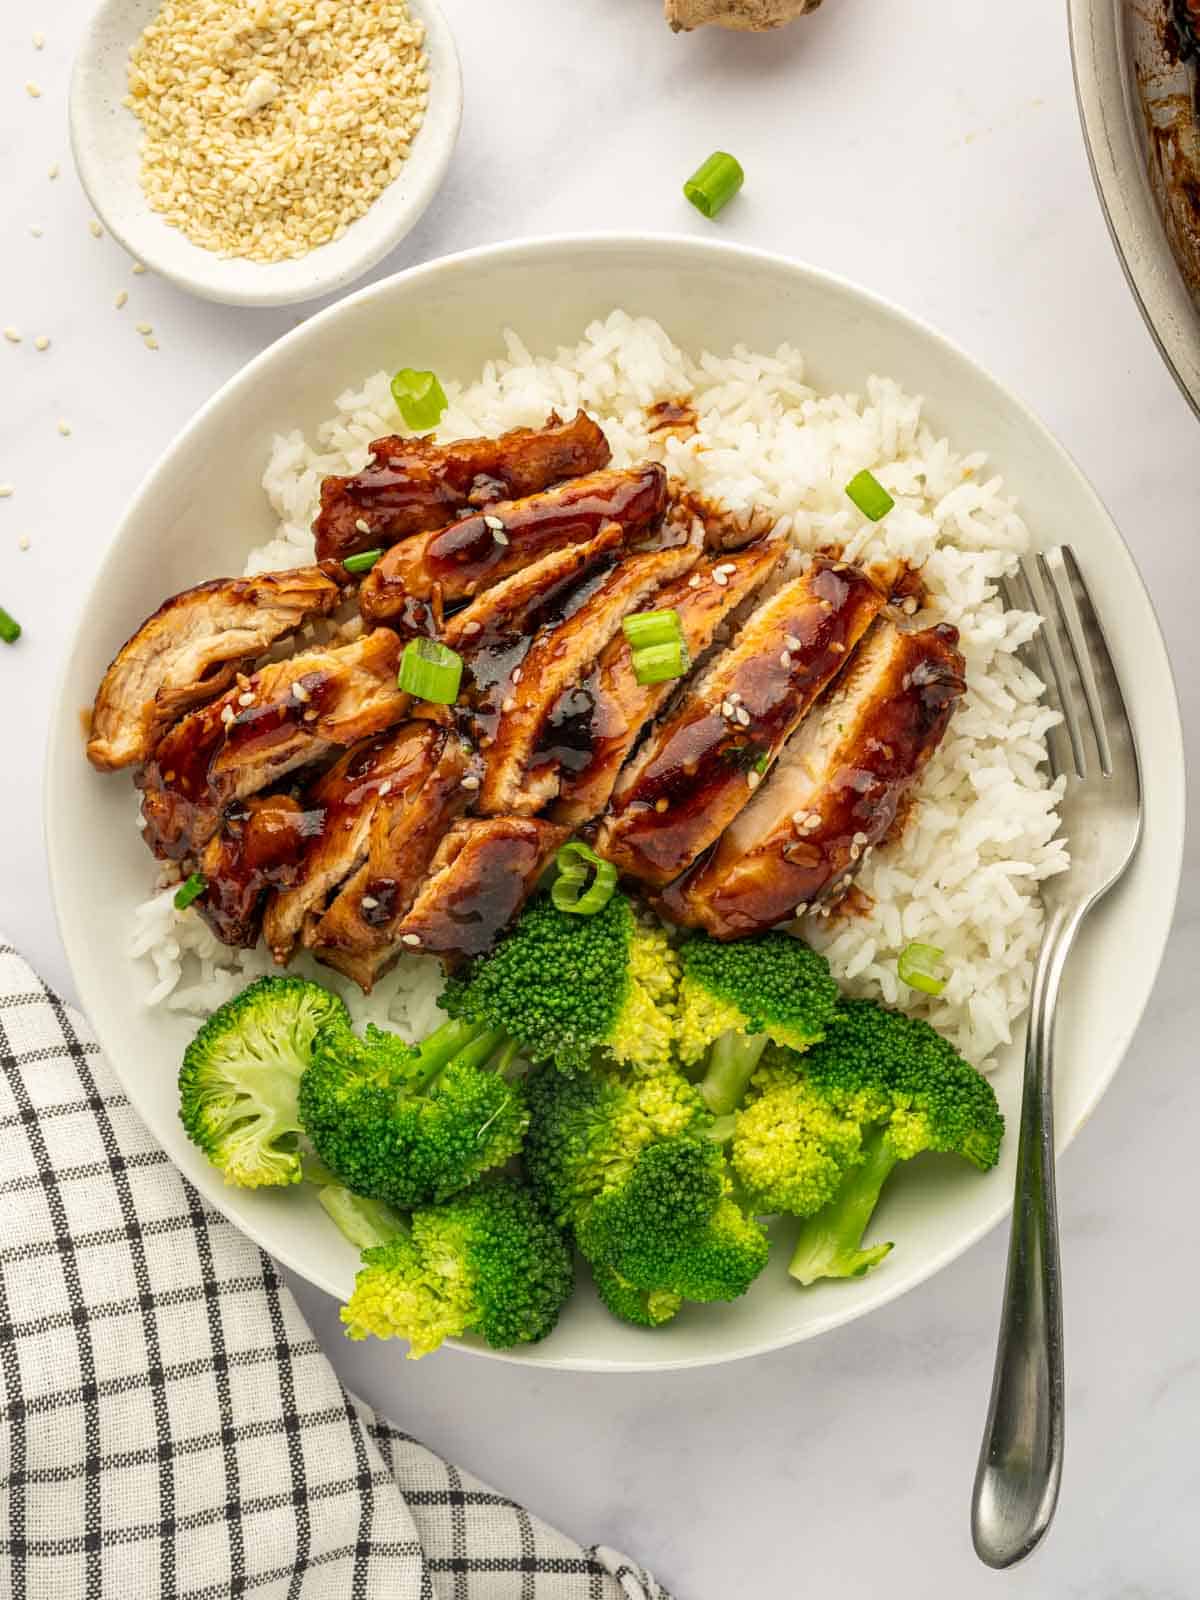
484, 871
835, 790
458, 561
596, 722
359, 934
698, 769
345, 798
412, 485
286, 715
259, 846
560, 655
191, 649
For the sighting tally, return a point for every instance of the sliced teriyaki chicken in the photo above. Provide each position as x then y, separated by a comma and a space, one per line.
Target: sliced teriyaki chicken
284, 716
835, 790
558, 657
359, 934
698, 769
495, 632
484, 871
259, 846
412, 485
345, 798
191, 649
595, 723
458, 561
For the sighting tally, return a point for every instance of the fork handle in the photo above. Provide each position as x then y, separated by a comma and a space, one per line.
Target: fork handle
1020, 1460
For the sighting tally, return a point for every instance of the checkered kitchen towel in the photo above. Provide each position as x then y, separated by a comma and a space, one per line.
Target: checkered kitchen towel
168, 1425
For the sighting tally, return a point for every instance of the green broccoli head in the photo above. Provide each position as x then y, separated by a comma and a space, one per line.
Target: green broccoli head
734, 998
910, 1091
404, 1125
643, 1308
240, 1076
490, 1261
790, 1147
567, 987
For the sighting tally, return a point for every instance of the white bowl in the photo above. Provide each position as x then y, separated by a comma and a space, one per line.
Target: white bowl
202, 507
106, 138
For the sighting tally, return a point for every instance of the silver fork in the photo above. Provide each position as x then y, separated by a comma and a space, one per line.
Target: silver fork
1020, 1461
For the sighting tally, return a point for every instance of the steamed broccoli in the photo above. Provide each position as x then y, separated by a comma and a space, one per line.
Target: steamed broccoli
489, 1262
240, 1074
409, 1124
573, 989
628, 1162
735, 998
907, 1090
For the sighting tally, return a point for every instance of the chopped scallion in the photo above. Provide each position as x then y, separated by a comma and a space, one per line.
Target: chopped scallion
918, 966
431, 671
658, 663
714, 183
420, 398
869, 495
763, 762
363, 561
575, 861
190, 889
10, 628
652, 627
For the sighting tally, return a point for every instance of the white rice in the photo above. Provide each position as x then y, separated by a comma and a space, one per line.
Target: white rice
964, 874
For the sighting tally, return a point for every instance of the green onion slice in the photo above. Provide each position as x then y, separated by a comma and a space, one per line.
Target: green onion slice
363, 562
763, 762
657, 663
714, 183
652, 627
10, 628
190, 889
918, 966
420, 398
869, 495
431, 671
574, 862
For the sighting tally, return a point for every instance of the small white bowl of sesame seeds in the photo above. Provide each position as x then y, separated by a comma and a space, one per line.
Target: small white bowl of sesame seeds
260, 152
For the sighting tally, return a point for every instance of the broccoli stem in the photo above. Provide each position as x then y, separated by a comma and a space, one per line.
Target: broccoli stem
830, 1244
450, 1040
364, 1222
731, 1065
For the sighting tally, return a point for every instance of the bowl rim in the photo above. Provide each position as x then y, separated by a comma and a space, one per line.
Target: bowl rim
63, 726
287, 282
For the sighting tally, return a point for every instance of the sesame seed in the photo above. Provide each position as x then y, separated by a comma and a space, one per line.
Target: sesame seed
509, 705
472, 628
813, 823
855, 851
836, 647
785, 660
735, 696
138, 269
661, 804
694, 581
94, 228
5, 490
12, 336
470, 782
792, 642
752, 779
826, 605
150, 343
859, 839
368, 902
144, 327
743, 716
36, 229
727, 708
385, 787
227, 715
122, 299
516, 677
360, 526
411, 939
39, 41
246, 699
494, 523
799, 818
720, 580
841, 566
64, 428
299, 692
41, 342
23, 542
310, 716
54, 170
910, 605
499, 536
32, 90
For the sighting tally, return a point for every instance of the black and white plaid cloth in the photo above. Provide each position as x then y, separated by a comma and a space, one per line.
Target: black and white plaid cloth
168, 1424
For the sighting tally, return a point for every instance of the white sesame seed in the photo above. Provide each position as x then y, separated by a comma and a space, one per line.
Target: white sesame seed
720, 580
792, 642
743, 716
735, 696
855, 851
360, 526
54, 170
5, 490
799, 818
494, 523
752, 778
12, 335
910, 605
41, 342
470, 782
150, 343
836, 647
499, 536
94, 228
122, 299
23, 542
64, 428
299, 692
785, 660
368, 902
227, 715
826, 605
509, 705
413, 939
727, 708
36, 229
39, 41
471, 628
32, 90
144, 327
246, 699
516, 677
859, 839
694, 581
138, 269
385, 787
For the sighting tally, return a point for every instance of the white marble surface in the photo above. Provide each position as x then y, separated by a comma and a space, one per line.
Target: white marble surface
930, 151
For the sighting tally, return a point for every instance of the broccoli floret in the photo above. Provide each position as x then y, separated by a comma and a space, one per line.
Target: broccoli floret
409, 1125
735, 998
571, 988
490, 1261
627, 1160
791, 1148
644, 1308
910, 1091
240, 1075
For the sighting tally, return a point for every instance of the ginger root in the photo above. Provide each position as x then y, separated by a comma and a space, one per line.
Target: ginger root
755, 16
